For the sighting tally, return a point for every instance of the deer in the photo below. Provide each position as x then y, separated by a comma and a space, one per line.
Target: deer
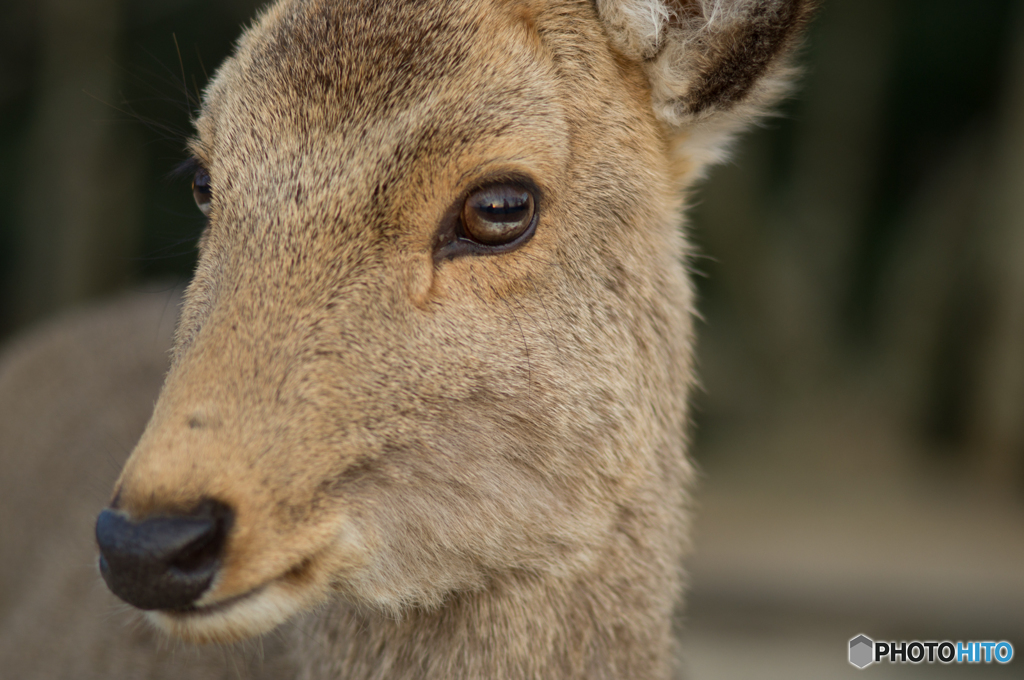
426, 413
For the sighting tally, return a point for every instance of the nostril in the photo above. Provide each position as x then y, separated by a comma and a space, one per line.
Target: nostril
163, 562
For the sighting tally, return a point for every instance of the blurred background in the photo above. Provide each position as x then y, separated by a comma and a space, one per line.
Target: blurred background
860, 431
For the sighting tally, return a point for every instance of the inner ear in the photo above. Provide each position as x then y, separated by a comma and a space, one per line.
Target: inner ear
733, 45
707, 56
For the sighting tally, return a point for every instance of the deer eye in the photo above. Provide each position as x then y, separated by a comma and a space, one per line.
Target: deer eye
498, 214
201, 190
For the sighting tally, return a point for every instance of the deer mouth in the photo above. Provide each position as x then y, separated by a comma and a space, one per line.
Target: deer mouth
253, 612
220, 606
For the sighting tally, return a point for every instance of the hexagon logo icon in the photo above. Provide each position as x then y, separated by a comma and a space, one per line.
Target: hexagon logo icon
862, 651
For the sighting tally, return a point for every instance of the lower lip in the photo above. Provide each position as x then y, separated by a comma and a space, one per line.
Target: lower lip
216, 607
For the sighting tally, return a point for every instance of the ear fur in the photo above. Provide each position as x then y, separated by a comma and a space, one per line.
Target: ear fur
714, 66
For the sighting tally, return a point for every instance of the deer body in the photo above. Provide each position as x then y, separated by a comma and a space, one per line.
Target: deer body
427, 398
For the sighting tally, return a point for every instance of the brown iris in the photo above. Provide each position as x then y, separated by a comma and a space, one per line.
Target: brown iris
497, 214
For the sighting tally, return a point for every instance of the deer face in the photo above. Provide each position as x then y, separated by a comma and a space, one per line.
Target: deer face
439, 329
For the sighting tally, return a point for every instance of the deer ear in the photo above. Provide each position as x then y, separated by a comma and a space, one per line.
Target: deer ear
714, 65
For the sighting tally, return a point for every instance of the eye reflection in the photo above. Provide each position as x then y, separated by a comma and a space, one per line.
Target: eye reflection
498, 214
201, 190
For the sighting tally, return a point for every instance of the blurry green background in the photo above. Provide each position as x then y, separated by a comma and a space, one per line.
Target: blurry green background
861, 425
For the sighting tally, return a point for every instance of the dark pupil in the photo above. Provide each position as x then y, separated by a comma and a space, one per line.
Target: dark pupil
502, 204
201, 182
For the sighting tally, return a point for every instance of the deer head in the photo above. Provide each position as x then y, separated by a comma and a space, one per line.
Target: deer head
439, 335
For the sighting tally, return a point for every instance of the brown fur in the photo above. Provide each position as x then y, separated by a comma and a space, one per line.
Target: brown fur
470, 465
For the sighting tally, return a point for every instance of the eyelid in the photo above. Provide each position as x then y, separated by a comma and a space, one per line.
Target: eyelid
187, 168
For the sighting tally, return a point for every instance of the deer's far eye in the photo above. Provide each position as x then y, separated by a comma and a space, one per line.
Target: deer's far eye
201, 190
498, 214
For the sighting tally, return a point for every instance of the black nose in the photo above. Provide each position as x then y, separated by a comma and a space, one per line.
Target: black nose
162, 562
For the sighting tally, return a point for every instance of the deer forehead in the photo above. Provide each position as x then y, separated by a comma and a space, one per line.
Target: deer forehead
375, 87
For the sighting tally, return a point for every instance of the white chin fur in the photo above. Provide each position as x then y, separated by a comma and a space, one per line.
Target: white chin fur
253, 614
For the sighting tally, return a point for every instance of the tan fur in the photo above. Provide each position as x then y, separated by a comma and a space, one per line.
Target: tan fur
467, 467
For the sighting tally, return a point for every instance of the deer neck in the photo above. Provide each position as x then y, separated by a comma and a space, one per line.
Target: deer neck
592, 627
